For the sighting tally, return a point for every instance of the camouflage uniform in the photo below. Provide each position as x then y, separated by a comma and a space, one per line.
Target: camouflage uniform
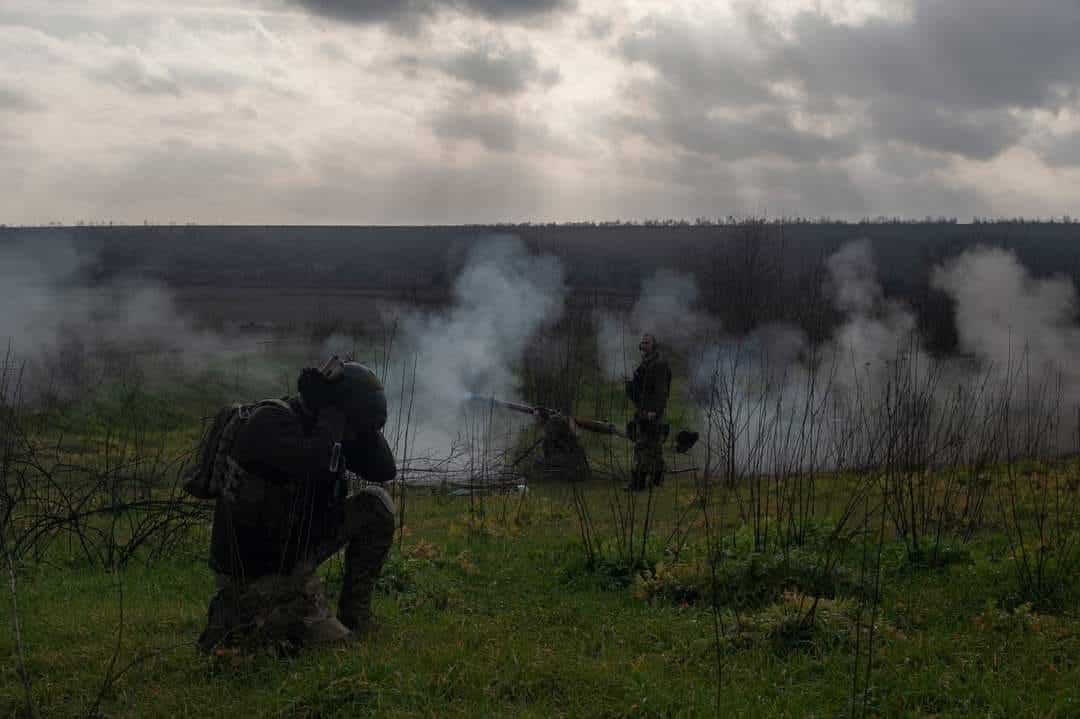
648, 390
563, 456
283, 512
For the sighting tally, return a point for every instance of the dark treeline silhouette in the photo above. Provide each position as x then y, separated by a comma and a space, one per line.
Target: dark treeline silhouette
749, 271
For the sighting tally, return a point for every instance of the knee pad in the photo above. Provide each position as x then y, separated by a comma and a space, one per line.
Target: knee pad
370, 512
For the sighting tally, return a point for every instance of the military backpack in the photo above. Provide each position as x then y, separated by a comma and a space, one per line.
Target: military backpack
214, 469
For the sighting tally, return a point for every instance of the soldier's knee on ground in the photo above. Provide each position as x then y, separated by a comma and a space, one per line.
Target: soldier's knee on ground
369, 516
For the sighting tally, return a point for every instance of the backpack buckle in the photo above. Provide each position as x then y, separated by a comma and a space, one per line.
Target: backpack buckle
244, 412
335, 457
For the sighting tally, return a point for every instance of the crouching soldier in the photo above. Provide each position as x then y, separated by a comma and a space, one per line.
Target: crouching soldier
563, 458
283, 510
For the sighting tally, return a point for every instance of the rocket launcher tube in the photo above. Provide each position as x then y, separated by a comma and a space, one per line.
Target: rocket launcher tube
684, 440
591, 425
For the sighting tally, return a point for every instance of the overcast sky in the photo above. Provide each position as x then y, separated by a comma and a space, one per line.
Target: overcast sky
461, 111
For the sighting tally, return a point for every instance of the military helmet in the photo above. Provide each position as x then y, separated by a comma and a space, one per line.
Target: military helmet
351, 386
362, 397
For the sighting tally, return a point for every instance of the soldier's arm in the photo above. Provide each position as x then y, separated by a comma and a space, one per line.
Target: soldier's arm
369, 455
275, 445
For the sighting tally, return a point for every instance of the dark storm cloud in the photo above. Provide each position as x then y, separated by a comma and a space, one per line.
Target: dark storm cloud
499, 69
764, 133
704, 69
707, 96
975, 54
410, 12
979, 135
1062, 150
948, 78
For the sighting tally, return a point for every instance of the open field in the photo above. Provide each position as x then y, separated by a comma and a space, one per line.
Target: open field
489, 610
867, 527
491, 605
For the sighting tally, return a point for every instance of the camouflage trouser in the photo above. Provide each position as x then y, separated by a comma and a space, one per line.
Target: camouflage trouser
289, 610
648, 459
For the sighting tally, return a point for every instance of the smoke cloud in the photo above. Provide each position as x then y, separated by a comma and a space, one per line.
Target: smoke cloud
501, 299
67, 334
1005, 316
759, 392
665, 308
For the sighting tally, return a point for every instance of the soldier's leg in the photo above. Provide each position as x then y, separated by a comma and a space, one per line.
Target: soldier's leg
314, 623
369, 526
220, 615
656, 461
639, 474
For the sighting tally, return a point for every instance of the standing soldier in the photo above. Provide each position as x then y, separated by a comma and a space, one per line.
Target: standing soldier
282, 511
649, 390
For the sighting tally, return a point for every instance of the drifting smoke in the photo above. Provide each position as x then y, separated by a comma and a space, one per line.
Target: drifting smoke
666, 309
501, 299
761, 392
66, 336
875, 330
1004, 316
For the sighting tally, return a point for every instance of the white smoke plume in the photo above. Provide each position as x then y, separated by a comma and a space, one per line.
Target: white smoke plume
852, 280
774, 379
665, 308
501, 299
67, 334
875, 330
1004, 315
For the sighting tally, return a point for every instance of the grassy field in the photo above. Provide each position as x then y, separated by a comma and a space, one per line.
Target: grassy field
491, 611
490, 605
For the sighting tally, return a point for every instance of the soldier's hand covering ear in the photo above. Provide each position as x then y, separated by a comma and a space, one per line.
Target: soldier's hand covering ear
318, 391
368, 454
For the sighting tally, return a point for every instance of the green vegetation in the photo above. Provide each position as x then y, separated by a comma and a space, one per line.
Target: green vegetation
496, 614
490, 605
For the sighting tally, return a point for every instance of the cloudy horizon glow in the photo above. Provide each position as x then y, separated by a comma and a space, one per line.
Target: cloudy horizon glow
482, 111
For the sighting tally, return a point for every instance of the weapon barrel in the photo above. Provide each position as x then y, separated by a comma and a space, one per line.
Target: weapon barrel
515, 406
595, 425
590, 425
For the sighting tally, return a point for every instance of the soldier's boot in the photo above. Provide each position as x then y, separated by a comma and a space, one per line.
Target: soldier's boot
217, 628
369, 522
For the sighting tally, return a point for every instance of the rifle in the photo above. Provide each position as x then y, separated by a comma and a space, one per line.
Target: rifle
684, 440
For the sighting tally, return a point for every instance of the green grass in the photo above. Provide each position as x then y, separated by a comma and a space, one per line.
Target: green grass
501, 618
489, 608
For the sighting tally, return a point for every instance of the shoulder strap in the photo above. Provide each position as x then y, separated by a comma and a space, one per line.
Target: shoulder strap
248, 410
